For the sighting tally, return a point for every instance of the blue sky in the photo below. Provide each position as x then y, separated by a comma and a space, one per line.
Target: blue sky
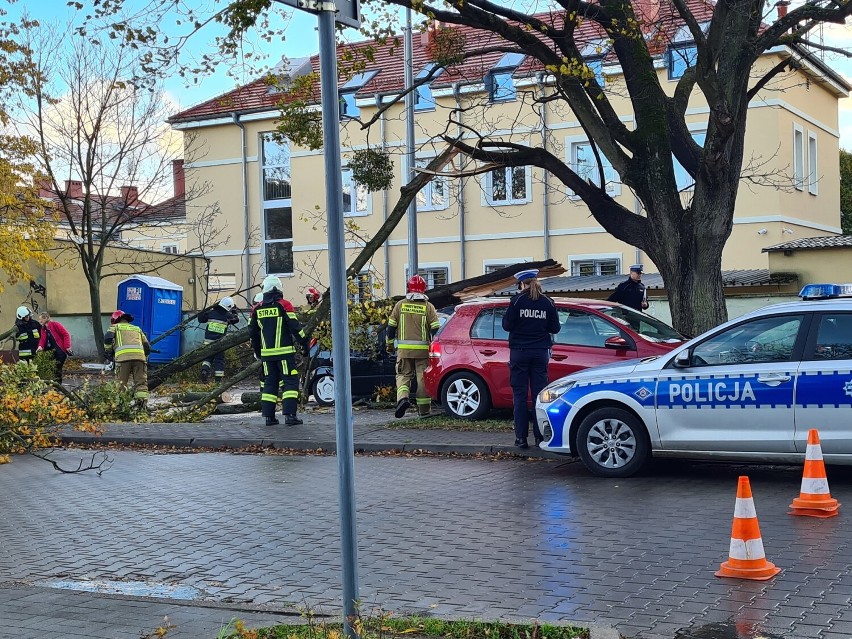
301, 40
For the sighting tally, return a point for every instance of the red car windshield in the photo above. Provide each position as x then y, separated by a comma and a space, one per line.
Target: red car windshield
649, 327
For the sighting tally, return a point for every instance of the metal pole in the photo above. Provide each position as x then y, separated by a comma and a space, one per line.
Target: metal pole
339, 315
409, 143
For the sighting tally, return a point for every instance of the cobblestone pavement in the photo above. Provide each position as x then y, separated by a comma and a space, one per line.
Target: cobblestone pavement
447, 537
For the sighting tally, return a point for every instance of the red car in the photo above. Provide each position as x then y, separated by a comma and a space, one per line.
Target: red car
468, 370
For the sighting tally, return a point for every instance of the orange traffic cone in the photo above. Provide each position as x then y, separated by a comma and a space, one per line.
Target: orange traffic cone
814, 499
746, 559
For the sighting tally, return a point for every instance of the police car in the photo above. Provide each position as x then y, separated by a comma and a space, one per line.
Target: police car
747, 390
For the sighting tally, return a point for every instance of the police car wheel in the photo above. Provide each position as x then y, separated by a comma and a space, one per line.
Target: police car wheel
612, 442
322, 389
465, 395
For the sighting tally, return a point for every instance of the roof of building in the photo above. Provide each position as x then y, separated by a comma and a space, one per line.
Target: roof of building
808, 243
596, 283
154, 282
660, 21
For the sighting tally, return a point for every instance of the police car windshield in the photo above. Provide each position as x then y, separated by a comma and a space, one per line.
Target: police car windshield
650, 328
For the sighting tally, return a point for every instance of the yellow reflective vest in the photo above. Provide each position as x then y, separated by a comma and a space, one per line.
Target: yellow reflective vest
412, 323
126, 343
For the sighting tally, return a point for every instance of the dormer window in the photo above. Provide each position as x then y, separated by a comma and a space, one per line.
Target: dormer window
348, 106
423, 100
501, 86
682, 53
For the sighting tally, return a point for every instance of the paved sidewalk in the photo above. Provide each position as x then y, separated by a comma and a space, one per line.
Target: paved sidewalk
371, 433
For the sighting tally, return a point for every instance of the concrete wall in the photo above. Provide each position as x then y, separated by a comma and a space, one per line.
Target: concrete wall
737, 306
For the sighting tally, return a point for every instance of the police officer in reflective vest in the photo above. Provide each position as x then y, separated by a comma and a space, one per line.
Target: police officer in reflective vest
217, 318
275, 331
530, 320
28, 334
631, 292
128, 347
411, 323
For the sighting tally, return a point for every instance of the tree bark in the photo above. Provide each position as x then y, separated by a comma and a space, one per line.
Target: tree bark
97, 326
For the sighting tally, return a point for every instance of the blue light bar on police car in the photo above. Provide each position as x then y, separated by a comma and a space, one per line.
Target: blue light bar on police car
844, 290
819, 291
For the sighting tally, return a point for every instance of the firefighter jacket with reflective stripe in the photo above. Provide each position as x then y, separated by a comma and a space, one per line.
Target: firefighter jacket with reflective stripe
28, 336
125, 342
274, 329
217, 319
411, 323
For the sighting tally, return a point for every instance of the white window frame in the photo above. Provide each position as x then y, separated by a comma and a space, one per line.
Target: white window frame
813, 154
503, 262
268, 205
694, 129
166, 247
594, 257
798, 157
347, 180
613, 179
487, 188
357, 298
428, 266
420, 161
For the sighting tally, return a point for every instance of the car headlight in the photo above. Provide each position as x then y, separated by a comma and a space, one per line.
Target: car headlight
555, 391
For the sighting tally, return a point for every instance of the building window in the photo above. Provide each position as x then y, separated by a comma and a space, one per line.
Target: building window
603, 266
356, 198
593, 53
423, 99
813, 176
596, 66
435, 276
276, 167
219, 282
435, 195
491, 266
683, 179
585, 165
361, 288
507, 185
798, 157
680, 58
277, 205
499, 82
169, 248
348, 107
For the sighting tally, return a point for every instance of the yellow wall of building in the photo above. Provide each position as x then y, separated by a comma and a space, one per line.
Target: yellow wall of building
833, 265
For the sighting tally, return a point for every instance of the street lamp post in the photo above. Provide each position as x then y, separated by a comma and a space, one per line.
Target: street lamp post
409, 141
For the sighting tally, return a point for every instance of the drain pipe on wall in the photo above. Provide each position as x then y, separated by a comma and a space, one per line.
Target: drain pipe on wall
637, 209
545, 176
459, 131
386, 244
246, 256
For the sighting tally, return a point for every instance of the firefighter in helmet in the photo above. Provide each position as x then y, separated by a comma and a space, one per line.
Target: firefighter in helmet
313, 297
128, 347
412, 323
28, 333
275, 334
217, 319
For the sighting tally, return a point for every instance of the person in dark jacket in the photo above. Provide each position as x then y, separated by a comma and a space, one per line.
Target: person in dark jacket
218, 319
274, 332
28, 333
530, 320
631, 292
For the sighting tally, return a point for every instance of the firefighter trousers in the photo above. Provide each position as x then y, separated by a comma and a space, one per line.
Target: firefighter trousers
408, 369
137, 371
280, 378
216, 363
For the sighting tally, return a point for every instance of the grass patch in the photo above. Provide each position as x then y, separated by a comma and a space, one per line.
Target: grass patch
497, 424
387, 627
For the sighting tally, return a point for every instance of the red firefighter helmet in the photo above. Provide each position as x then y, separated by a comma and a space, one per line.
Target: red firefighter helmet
312, 295
416, 284
117, 316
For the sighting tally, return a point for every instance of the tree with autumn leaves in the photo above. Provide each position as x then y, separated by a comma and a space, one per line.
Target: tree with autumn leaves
26, 227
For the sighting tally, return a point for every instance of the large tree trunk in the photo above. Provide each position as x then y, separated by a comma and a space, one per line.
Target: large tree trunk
97, 326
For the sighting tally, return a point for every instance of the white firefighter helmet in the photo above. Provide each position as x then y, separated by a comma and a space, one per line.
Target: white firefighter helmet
227, 303
270, 282
258, 298
22, 312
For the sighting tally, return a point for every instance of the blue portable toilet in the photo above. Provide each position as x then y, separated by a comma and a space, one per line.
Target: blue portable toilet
156, 306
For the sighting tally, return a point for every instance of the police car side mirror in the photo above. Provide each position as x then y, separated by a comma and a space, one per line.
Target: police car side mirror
682, 359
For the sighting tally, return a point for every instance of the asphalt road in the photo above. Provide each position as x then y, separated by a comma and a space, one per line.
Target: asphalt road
449, 537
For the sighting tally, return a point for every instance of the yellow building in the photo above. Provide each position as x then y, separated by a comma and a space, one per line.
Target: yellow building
271, 192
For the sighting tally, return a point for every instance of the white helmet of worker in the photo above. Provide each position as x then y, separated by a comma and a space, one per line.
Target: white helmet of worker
227, 303
271, 282
22, 312
258, 298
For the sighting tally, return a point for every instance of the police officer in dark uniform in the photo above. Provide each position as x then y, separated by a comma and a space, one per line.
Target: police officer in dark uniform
631, 292
530, 320
275, 333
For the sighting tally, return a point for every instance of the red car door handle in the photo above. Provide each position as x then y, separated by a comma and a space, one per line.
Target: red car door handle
559, 358
488, 352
